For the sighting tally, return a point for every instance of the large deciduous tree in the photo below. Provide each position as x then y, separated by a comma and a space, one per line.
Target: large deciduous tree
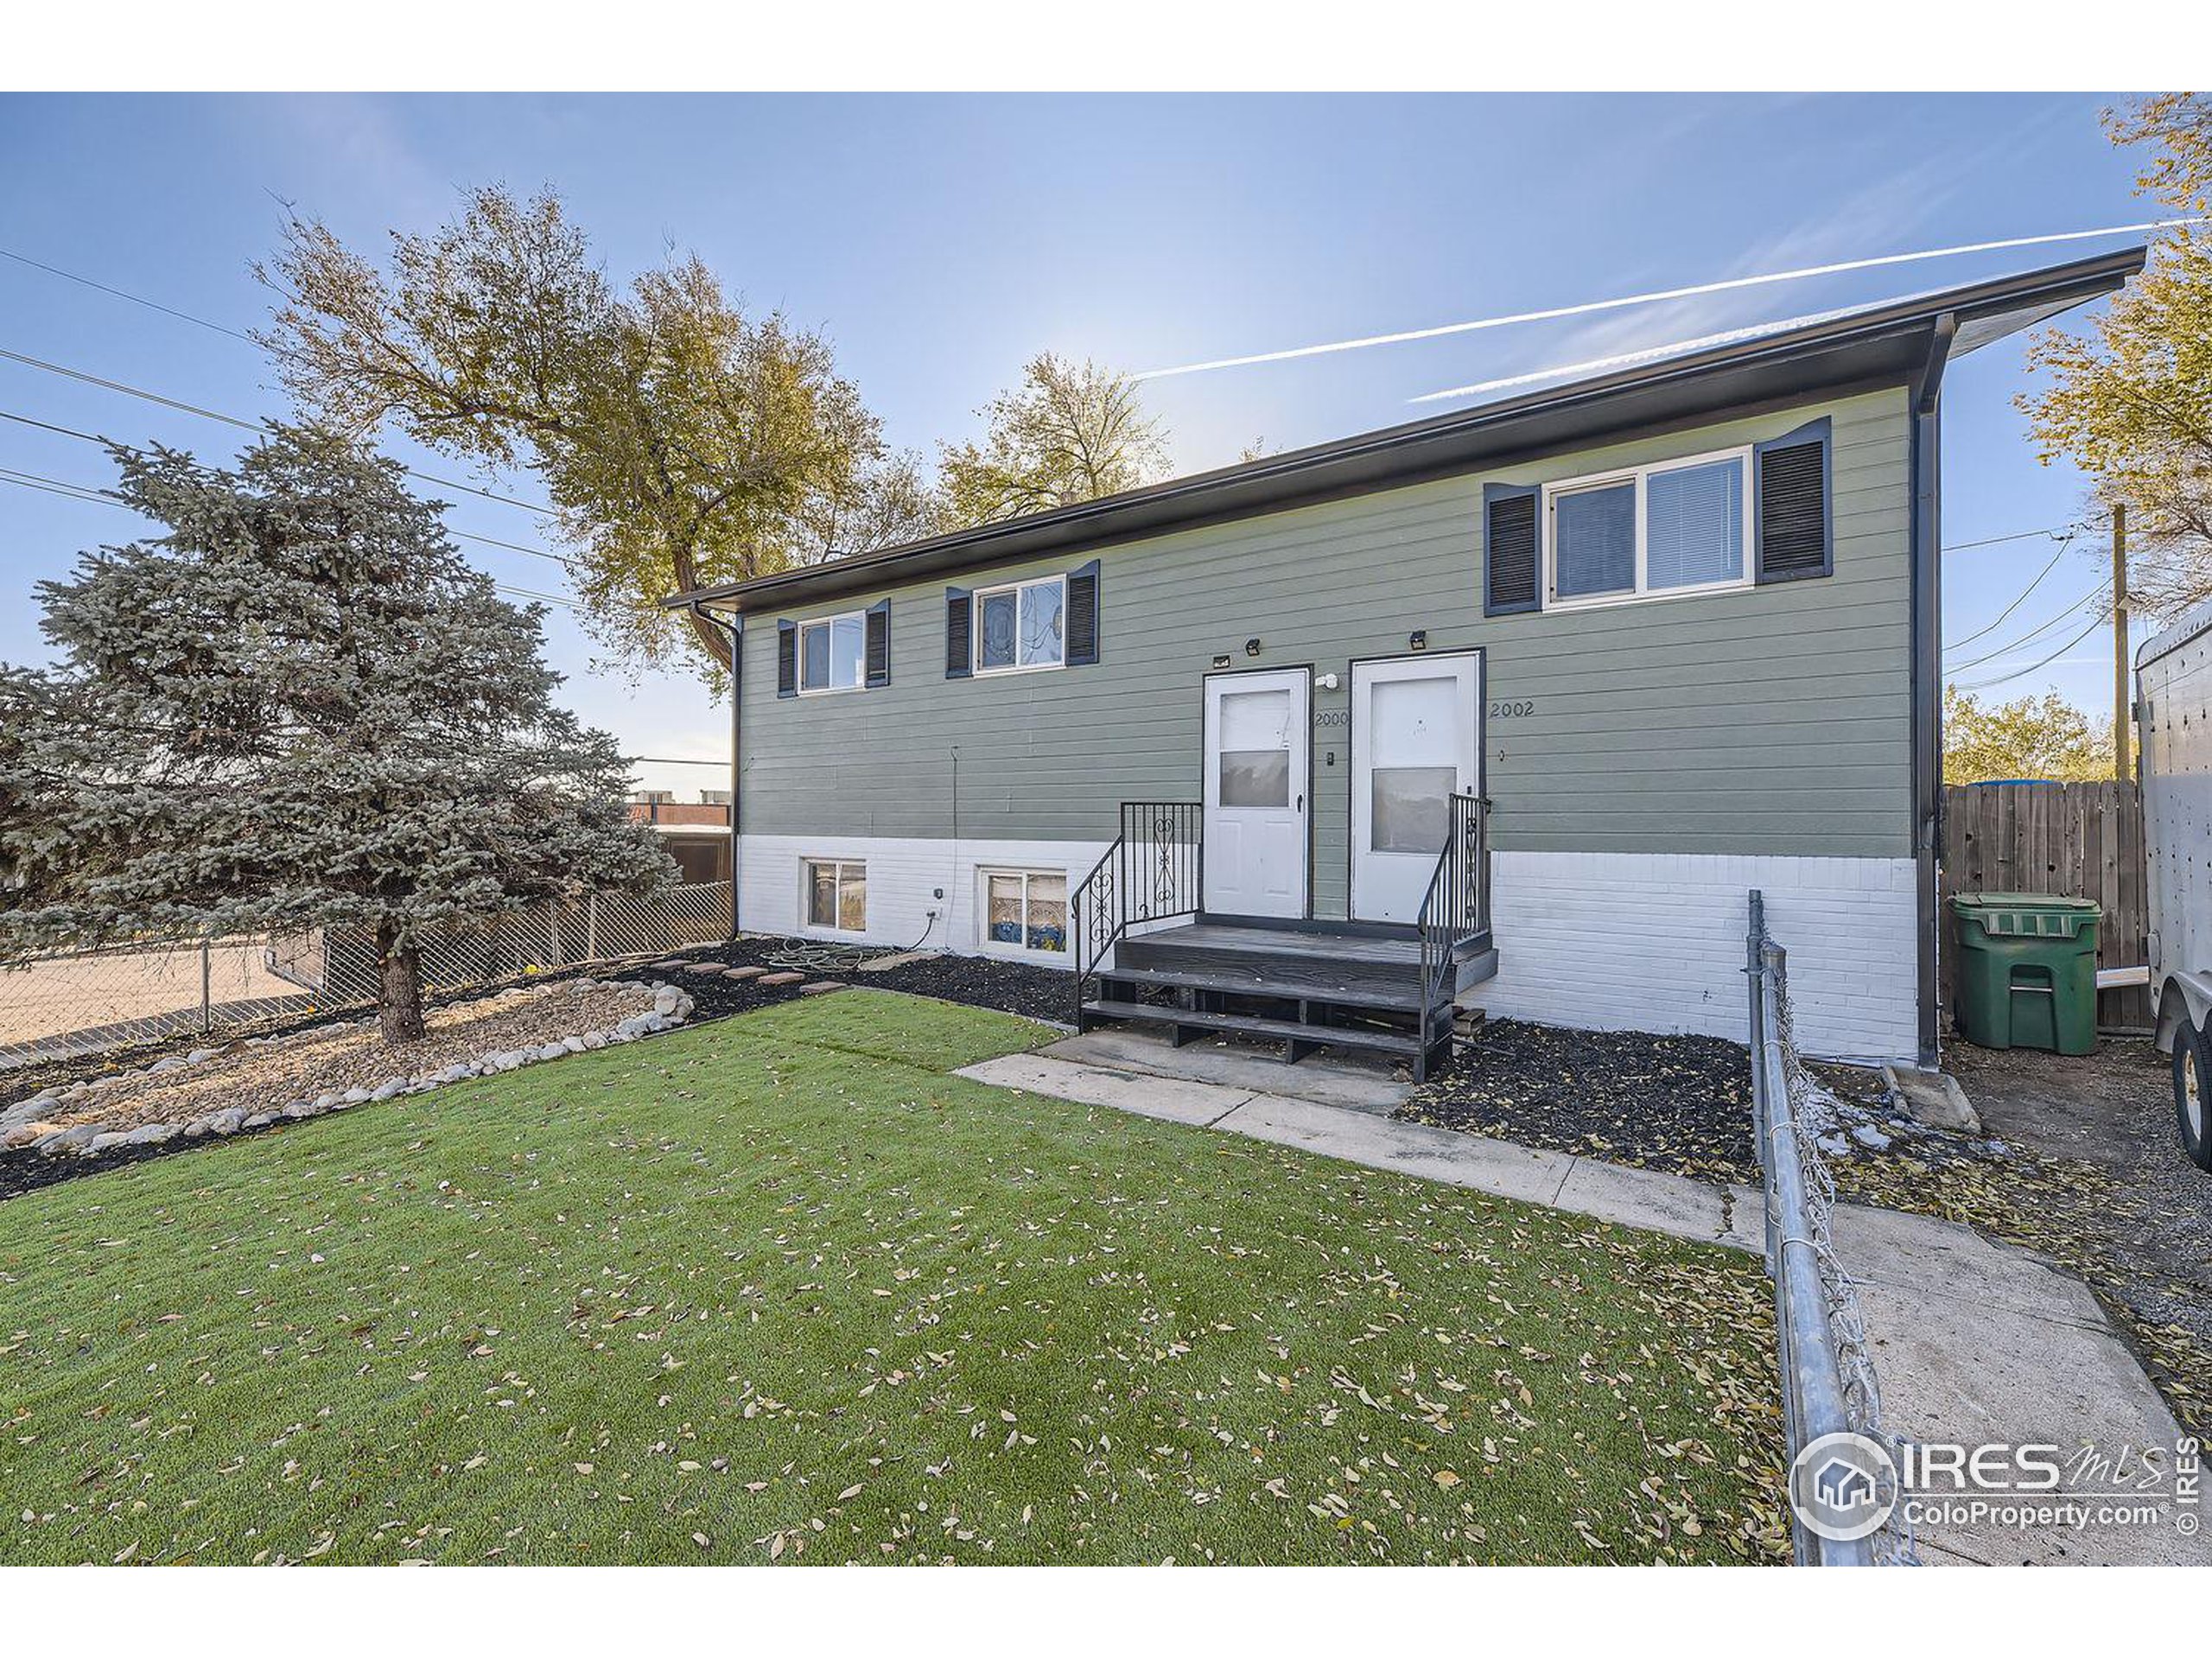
2028, 737
298, 709
1069, 432
682, 441
2130, 400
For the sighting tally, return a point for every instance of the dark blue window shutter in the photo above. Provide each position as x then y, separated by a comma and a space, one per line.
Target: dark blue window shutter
1082, 616
879, 642
959, 633
1512, 569
787, 659
1792, 482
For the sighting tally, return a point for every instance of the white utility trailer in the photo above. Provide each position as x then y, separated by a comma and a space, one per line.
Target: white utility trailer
2173, 711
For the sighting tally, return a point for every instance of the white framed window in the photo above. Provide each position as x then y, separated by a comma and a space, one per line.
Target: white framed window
1025, 911
1649, 532
1021, 626
834, 898
832, 653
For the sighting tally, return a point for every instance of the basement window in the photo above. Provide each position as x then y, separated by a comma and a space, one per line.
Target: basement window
1025, 909
837, 894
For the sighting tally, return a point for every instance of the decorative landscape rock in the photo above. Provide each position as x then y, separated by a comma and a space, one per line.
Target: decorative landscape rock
165, 1100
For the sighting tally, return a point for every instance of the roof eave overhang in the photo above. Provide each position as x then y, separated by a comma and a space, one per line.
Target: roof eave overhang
1861, 351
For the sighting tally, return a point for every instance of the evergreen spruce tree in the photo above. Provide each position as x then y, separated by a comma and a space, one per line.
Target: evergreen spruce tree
299, 709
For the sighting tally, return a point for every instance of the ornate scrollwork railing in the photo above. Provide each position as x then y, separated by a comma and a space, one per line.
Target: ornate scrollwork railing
1456, 905
1154, 872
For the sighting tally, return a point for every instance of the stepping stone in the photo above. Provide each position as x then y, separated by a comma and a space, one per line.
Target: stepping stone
668, 966
702, 967
820, 986
896, 959
780, 979
754, 972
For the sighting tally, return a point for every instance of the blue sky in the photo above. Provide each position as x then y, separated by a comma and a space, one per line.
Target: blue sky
940, 241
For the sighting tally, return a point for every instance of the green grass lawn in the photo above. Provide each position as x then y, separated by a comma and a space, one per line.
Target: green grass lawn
781, 1288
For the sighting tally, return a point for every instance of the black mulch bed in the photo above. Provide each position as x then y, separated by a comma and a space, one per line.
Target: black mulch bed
981, 983
1046, 993
1010, 987
27, 1172
1677, 1103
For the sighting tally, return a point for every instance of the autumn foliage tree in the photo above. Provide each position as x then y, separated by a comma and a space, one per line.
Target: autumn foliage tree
2130, 399
296, 709
1071, 432
2045, 737
682, 441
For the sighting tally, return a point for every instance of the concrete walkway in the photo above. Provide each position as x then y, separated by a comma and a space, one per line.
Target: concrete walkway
1973, 1342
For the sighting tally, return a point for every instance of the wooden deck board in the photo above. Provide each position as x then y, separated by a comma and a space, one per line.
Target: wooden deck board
1342, 946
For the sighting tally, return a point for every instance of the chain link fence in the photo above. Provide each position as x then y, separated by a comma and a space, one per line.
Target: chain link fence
63, 1004
1828, 1384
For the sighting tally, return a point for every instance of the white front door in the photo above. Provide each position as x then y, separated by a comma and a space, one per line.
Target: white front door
1416, 740
1258, 737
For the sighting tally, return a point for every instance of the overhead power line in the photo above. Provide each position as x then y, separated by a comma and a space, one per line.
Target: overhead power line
2022, 596
223, 329
2006, 649
463, 535
1983, 685
49, 426
105, 499
52, 487
1656, 296
2018, 536
121, 294
106, 384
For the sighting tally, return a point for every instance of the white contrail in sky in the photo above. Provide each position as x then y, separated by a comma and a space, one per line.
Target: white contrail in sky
1658, 294
1624, 360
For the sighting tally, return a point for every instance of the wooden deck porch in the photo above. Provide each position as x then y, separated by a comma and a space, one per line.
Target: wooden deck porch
1309, 986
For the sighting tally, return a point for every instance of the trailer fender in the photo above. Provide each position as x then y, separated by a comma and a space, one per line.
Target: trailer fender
2184, 996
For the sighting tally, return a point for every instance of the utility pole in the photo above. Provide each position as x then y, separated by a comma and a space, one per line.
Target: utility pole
2122, 703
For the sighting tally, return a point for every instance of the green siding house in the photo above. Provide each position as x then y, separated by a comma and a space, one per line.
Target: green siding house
1506, 709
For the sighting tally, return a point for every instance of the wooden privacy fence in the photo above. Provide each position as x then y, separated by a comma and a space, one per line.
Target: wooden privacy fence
2078, 841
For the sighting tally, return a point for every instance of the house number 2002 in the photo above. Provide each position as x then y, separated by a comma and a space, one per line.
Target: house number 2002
1508, 710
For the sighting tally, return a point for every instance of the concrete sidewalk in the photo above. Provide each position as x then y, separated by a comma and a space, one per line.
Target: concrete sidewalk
1973, 1342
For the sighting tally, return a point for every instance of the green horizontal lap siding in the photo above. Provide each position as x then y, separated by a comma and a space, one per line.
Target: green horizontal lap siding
1773, 720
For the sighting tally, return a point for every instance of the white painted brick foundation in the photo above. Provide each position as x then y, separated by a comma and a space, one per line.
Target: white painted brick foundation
1655, 942
1603, 940
903, 876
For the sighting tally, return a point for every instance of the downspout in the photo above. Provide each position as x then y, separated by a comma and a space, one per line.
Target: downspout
735, 630
1928, 674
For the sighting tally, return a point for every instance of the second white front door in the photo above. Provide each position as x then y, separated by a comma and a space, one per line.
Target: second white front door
1416, 740
1257, 743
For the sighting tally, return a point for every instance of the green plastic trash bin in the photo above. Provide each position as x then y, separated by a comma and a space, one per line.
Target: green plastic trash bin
2028, 971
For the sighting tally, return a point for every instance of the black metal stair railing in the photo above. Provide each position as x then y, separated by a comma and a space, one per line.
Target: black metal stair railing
1456, 908
1154, 872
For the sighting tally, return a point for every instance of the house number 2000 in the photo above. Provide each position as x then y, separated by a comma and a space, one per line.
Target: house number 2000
1508, 710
